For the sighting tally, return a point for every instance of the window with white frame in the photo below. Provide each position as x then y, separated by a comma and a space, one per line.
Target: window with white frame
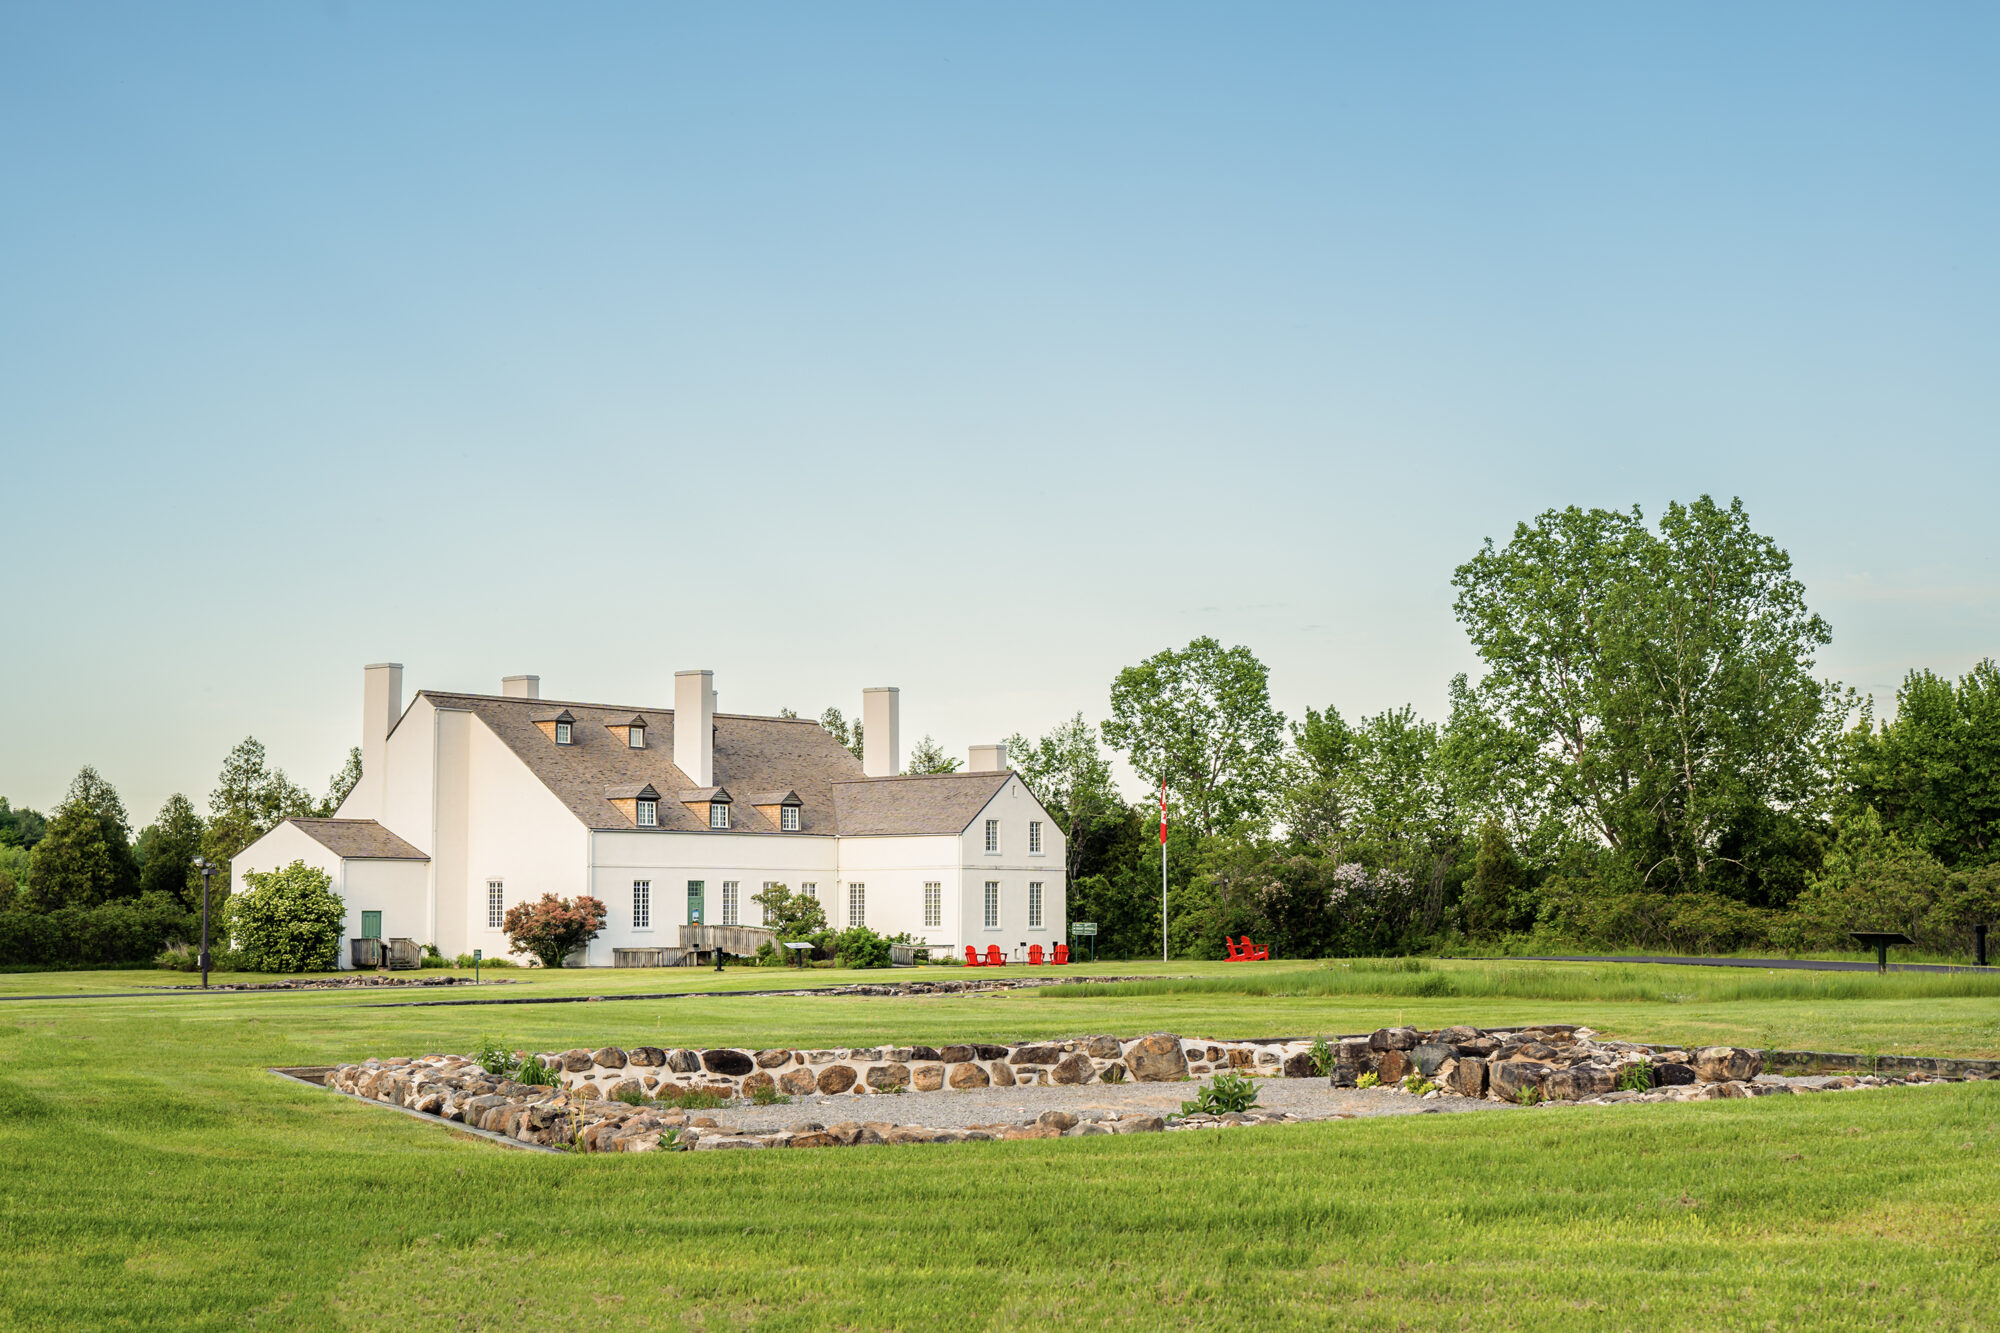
810, 890
635, 737
993, 904
769, 884
649, 814
718, 814
992, 836
933, 904
729, 903
788, 818
857, 904
642, 904
1034, 837
1035, 905
496, 904
562, 733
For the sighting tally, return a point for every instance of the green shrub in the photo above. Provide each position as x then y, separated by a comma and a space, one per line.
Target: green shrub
533, 1071
859, 946
496, 1059
690, 1099
125, 930
1225, 1093
1417, 1084
1636, 1077
178, 957
768, 1096
1322, 1057
1368, 1080
464, 962
290, 920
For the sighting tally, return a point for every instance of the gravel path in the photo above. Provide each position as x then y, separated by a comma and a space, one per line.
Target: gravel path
1308, 1098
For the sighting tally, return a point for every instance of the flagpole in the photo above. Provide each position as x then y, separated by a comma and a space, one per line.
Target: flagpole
1163, 870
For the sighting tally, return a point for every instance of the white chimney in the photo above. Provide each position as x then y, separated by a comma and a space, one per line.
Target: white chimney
881, 741
381, 705
521, 687
988, 759
694, 726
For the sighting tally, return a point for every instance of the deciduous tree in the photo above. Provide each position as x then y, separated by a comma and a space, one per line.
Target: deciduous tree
1201, 719
1071, 776
167, 849
290, 920
553, 928
928, 757
85, 856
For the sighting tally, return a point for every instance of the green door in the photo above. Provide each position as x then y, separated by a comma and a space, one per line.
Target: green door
371, 925
694, 902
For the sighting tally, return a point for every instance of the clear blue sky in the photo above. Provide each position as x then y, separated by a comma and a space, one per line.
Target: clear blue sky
981, 350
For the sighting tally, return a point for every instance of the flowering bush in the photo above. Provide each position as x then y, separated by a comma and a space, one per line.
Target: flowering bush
289, 921
553, 928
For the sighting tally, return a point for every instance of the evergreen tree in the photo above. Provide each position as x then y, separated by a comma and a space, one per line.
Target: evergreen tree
85, 858
341, 783
929, 758
167, 849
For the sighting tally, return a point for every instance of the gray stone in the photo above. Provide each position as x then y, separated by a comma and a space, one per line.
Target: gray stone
575, 1062
956, 1055
608, 1057
1727, 1064
1103, 1048
888, 1076
1138, 1124
836, 1078
1034, 1055
1072, 1069
649, 1056
1157, 1058
1467, 1077
772, 1059
966, 1075
798, 1081
731, 1063
1393, 1039
1056, 1120
1578, 1083
684, 1062
1004, 1076
1430, 1055
1507, 1079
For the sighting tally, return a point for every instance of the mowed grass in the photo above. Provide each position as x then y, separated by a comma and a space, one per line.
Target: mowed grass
156, 1177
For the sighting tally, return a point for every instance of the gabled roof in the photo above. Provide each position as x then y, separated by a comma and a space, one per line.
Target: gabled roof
357, 839
785, 797
699, 795
916, 804
751, 754
627, 791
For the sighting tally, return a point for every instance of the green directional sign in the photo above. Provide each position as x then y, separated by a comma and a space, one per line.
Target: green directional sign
1083, 927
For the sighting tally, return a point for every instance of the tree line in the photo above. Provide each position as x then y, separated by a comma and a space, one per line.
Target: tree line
1646, 760
78, 888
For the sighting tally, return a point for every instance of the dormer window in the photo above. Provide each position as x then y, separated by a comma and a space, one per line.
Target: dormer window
788, 818
635, 737
718, 814
563, 733
649, 814
558, 727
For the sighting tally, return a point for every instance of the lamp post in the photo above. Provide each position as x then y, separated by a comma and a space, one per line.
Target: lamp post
207, 869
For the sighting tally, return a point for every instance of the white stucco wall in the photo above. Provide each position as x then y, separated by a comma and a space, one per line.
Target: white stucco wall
895, 871
1014, 868
516, 831
668, 860
397, 889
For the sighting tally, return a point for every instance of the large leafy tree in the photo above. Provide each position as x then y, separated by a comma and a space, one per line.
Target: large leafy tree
85, 856
1933, 771
1663, 677
1201, 720
250, 799
19, 826
1071, 776
167, 849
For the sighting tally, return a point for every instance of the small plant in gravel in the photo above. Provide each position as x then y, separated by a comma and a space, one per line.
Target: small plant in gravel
495, 1059
1417, 1085
691, 1099
1368, 1080
631, 1097
1529, 1095
1225, 1093
768, 1096
1322, 1057
1636, 1077
537, 1074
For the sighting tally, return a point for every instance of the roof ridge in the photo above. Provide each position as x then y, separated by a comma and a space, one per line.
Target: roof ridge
914, 777
609, 708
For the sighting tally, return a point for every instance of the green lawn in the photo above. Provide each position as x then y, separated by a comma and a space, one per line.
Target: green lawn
175, 1184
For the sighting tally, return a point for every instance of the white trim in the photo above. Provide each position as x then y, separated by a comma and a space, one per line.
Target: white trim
991, 904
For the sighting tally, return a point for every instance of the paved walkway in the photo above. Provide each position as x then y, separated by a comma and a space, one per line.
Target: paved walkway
1794, 964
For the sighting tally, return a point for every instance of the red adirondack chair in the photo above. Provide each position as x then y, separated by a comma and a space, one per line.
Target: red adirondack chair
994, 958
972, 957
1233, 950
1062, 955
1253, 954
1034, 955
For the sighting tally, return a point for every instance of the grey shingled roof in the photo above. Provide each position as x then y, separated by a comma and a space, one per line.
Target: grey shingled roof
751, 754
358, 839
917, 804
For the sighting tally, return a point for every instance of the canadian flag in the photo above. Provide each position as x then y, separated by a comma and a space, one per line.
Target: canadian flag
1163, 812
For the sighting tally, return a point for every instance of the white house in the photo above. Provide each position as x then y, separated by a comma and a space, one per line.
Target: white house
471, 803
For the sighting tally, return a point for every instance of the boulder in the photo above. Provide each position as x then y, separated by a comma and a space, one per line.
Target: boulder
1467, 1077
816, 1139
772, 1059
1073, 1069
753, 1083
1056, 1120
1034, 1055
1578, 1083
1138, 1124
651, 1057
956, 1055
627, 1087
985, 1052
1393, 1039
924, 1053
575, 1062
797, 1082
731, 1063
1727, 1064
884, 1077
844, 1133
1507, 1079
1351, 1059
966, 1075
608, 1057
1456, 1035
927, 1078
684, 1062
1103, 1048
836, 1078
1391, 1065
1299, 1065
1004, 1077
1672, 1074
1157, 1059
1429, 1055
